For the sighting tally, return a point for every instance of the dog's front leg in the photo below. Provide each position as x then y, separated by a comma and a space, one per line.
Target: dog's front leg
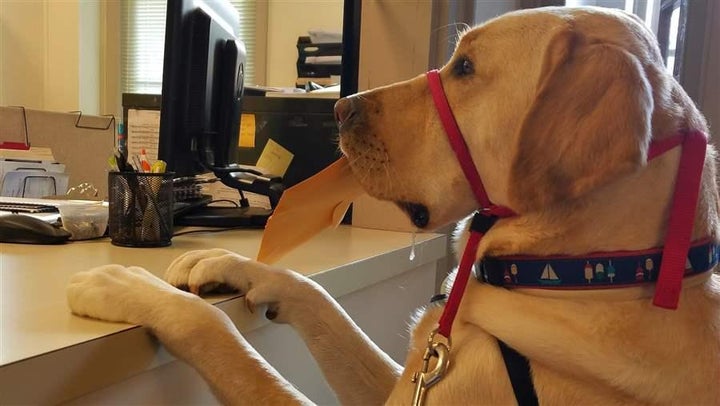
358, 371
190, 328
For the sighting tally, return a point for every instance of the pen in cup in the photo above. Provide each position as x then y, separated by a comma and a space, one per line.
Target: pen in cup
112, 161
121, 161
144, 164
118, 162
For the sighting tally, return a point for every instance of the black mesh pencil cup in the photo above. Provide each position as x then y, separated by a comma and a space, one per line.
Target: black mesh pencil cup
141, 209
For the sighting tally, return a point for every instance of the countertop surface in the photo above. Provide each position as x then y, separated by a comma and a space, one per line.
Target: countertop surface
35, 318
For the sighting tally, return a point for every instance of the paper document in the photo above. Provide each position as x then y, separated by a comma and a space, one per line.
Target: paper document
41, 154
219, 191
313, 205
143, 129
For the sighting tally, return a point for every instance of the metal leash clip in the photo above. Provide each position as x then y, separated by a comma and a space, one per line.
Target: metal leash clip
424, 379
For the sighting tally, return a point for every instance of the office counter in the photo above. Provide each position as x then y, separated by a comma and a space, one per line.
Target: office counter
48, 355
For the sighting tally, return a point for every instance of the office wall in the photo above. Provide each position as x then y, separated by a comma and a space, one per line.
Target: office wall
22, 53
289, 19
394, 41
49, 54
109, 59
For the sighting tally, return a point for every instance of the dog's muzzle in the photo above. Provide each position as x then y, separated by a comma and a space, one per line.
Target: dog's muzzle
345, 112
348, 116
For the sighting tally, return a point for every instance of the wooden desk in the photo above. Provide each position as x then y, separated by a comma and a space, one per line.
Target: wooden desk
47, 355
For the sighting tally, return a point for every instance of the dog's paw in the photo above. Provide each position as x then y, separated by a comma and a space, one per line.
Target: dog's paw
118, 293
206, 270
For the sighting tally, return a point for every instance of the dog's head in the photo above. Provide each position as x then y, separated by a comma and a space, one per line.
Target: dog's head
552, 104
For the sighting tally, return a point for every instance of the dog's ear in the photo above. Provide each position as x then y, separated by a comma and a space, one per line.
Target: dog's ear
589, 124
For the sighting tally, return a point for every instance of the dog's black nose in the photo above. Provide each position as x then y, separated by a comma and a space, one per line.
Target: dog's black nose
344, 111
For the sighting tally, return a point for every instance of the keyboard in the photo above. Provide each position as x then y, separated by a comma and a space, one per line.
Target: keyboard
181, 207
18, 207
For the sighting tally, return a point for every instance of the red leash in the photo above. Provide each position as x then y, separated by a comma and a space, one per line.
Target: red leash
682, 220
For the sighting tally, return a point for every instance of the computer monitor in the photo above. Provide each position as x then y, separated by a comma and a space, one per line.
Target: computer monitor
202, 85
203, 72
202, 94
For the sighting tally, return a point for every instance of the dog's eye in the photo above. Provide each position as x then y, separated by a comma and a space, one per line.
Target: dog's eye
463, 67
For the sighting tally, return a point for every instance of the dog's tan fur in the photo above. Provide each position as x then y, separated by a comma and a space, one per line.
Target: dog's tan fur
558, 114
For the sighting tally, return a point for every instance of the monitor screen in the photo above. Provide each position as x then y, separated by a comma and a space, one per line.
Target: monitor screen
202, 86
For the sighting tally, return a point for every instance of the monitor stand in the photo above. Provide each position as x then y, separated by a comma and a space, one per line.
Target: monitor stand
217, 216
196, 211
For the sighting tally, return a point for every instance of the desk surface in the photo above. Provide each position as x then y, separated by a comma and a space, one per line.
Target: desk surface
35, 319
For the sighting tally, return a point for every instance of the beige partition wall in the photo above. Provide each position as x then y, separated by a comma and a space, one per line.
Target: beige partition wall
394, 46
394, 41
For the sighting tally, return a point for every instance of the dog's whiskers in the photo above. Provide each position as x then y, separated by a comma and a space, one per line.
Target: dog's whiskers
453, 39
362, 97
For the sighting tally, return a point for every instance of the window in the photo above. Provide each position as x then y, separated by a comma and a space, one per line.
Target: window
143, 39
661, 16
668, 32
688, 32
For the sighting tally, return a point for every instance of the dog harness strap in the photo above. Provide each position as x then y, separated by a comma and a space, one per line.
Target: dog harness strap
518, 368
659, 147
682, 220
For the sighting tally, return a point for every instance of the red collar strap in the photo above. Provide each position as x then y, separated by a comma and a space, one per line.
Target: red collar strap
680, 223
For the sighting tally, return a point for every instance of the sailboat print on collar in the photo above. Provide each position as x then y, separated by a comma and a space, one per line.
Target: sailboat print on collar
549, 277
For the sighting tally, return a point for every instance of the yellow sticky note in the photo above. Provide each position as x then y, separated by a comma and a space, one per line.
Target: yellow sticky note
275, 159
247, 131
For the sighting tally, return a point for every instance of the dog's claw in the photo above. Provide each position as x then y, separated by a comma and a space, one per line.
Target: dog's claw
249, 305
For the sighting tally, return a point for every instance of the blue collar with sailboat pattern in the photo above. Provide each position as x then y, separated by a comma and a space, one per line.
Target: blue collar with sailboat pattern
593, 271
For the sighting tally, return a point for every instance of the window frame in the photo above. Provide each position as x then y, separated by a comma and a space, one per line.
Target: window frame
259, 57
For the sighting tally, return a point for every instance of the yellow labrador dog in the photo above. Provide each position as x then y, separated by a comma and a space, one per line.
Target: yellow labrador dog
561, 110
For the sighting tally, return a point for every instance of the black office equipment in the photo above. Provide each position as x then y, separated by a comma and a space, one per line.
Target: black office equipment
201, 101
16, 207
141, 208
203, 72
304, 126
202, 85
24, 229
352, 12
317, 63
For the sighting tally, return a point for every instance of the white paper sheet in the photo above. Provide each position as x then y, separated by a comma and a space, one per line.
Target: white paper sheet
143, 128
